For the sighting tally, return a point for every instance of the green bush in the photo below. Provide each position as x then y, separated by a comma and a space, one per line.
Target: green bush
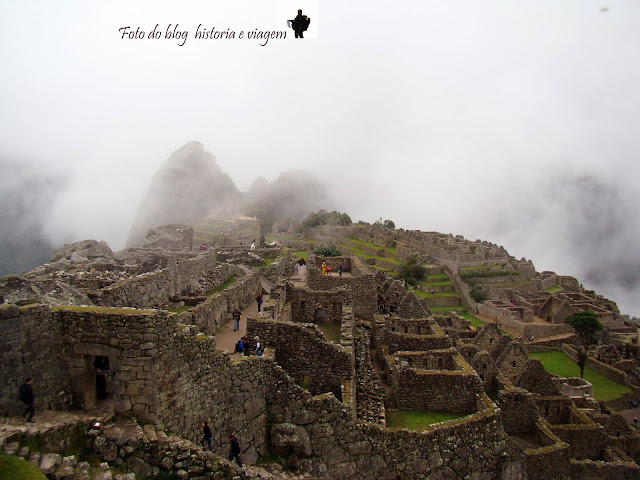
327, 252
411, 272
477, 294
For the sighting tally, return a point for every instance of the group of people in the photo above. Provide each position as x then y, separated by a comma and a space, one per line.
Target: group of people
234, 451
243, 346
326, 269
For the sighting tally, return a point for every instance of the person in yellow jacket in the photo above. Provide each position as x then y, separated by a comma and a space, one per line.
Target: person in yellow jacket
324, 268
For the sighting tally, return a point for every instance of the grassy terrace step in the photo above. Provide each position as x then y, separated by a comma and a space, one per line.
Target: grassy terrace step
437, 284
480, 267
475, 322
414, 420
371, 245
555, 288
436, 277
459, 308
525, 282
560, 364
423, 294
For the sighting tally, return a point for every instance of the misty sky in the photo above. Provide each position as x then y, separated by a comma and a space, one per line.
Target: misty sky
514, 122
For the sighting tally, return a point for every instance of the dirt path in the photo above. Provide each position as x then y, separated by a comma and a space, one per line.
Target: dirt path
226, 338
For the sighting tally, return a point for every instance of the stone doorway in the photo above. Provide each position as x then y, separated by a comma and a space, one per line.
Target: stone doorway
94, 371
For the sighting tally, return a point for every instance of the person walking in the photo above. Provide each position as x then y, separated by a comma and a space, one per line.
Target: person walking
236, 319
26, 396
234, 452
259, 300
207, 435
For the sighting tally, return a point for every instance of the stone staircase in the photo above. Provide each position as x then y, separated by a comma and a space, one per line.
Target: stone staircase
141, 450
370, 393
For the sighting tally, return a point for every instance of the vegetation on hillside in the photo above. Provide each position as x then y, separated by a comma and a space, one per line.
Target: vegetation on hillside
412, 272
327, 252
586, 324
322, 217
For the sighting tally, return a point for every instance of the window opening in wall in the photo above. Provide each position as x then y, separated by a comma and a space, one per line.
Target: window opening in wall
491, 340
439, 362
302, 306
514, 363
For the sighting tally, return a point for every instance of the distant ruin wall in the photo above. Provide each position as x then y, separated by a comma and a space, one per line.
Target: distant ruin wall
315, 306
398, 342
213, 313
436, 391
153, 289
32, 346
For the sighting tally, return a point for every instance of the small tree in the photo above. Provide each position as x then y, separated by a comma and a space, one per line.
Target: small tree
586, 324
411, 272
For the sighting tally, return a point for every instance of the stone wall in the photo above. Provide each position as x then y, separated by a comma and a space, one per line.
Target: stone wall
439, 390
32, 346
315, 306
303, 352
214, 312
153, 289
551, 460
519, 411
131, 341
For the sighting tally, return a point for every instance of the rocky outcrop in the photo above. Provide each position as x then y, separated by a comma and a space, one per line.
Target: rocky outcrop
187, 185
83, 251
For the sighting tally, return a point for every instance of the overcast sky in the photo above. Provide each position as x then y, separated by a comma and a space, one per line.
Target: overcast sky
491, 119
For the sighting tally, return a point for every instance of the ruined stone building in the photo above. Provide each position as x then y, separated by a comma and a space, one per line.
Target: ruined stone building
138, 328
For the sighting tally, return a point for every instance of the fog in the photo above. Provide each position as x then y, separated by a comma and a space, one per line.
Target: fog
513, 122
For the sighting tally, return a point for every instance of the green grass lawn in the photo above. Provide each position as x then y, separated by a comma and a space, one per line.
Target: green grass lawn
18, 468
299, 253
331, 331
413, 420
475, 322
457, 308
555, 288
603, 387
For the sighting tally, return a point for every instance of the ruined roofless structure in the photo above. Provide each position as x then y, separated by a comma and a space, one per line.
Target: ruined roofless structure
139, 330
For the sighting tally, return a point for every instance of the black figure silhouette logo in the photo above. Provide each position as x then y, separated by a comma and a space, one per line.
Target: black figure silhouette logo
300, 24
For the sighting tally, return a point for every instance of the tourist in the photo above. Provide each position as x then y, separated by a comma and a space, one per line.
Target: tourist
234, 452
239, 348
340, 270
635, 421
253, 245
236, 319
259, 300
207, 435
245, 345
328, 269
324, 268
259, 348
26, 396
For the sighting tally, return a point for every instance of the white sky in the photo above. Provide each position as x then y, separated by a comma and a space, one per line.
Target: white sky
453, 116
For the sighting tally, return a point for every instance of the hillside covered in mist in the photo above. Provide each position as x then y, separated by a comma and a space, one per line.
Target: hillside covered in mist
190, 184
